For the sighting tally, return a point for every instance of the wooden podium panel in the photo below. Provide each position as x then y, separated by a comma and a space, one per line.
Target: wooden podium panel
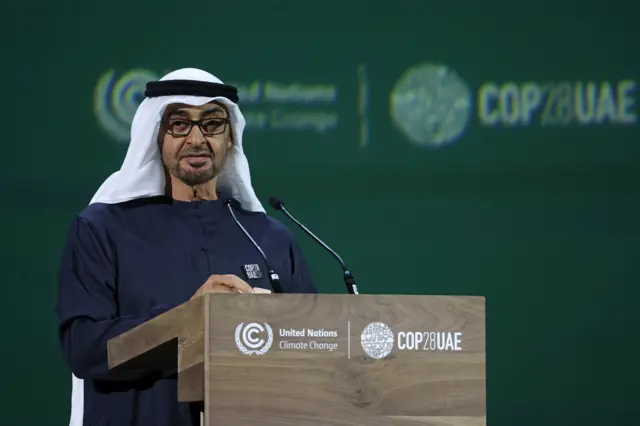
291, 359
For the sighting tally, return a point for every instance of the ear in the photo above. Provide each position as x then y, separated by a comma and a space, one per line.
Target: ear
230, 140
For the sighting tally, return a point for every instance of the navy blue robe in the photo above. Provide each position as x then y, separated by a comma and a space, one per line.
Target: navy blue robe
124, 264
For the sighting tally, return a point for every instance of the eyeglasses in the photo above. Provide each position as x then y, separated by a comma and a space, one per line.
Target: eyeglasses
208, 126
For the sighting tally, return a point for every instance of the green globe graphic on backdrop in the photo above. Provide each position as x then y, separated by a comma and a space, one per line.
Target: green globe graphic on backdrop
431, 105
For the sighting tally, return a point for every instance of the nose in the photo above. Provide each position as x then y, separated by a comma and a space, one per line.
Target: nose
195, 136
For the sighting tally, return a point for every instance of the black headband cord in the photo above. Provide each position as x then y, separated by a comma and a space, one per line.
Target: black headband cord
206, 89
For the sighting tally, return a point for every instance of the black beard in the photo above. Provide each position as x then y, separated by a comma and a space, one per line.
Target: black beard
197, 177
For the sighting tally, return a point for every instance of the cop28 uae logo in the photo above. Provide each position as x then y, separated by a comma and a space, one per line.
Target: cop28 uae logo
251, 340
431, 105
377, 340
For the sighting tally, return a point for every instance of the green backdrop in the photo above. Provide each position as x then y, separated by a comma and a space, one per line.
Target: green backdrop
442, 148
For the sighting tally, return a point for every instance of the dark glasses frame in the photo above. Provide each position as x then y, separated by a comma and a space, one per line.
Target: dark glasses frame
199, 123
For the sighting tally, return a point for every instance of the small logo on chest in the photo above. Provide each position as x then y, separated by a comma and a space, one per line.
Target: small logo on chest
252, 271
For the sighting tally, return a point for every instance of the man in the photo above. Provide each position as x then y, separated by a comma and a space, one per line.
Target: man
179, 219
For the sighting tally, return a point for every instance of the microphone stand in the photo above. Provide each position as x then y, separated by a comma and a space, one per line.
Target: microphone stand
349, 280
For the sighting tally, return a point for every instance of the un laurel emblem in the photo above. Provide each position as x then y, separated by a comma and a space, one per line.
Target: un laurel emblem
248, 338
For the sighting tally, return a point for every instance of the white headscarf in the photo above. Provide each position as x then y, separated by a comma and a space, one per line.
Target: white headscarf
142, 172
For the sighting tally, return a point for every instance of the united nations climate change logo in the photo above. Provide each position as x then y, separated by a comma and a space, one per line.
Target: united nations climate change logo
377, 340
248, 338
116, 99
431, 105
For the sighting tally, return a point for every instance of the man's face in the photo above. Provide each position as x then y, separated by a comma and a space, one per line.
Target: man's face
195, 153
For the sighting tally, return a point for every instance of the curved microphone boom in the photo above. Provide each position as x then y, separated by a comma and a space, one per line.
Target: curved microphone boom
349, 280
274, 278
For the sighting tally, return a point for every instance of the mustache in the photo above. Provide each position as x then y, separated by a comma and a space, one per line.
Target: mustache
196, 151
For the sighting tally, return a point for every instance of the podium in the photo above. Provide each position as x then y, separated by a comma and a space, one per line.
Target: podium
320, 359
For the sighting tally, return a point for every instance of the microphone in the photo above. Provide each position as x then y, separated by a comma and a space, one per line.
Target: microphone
274, 279
348, 278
